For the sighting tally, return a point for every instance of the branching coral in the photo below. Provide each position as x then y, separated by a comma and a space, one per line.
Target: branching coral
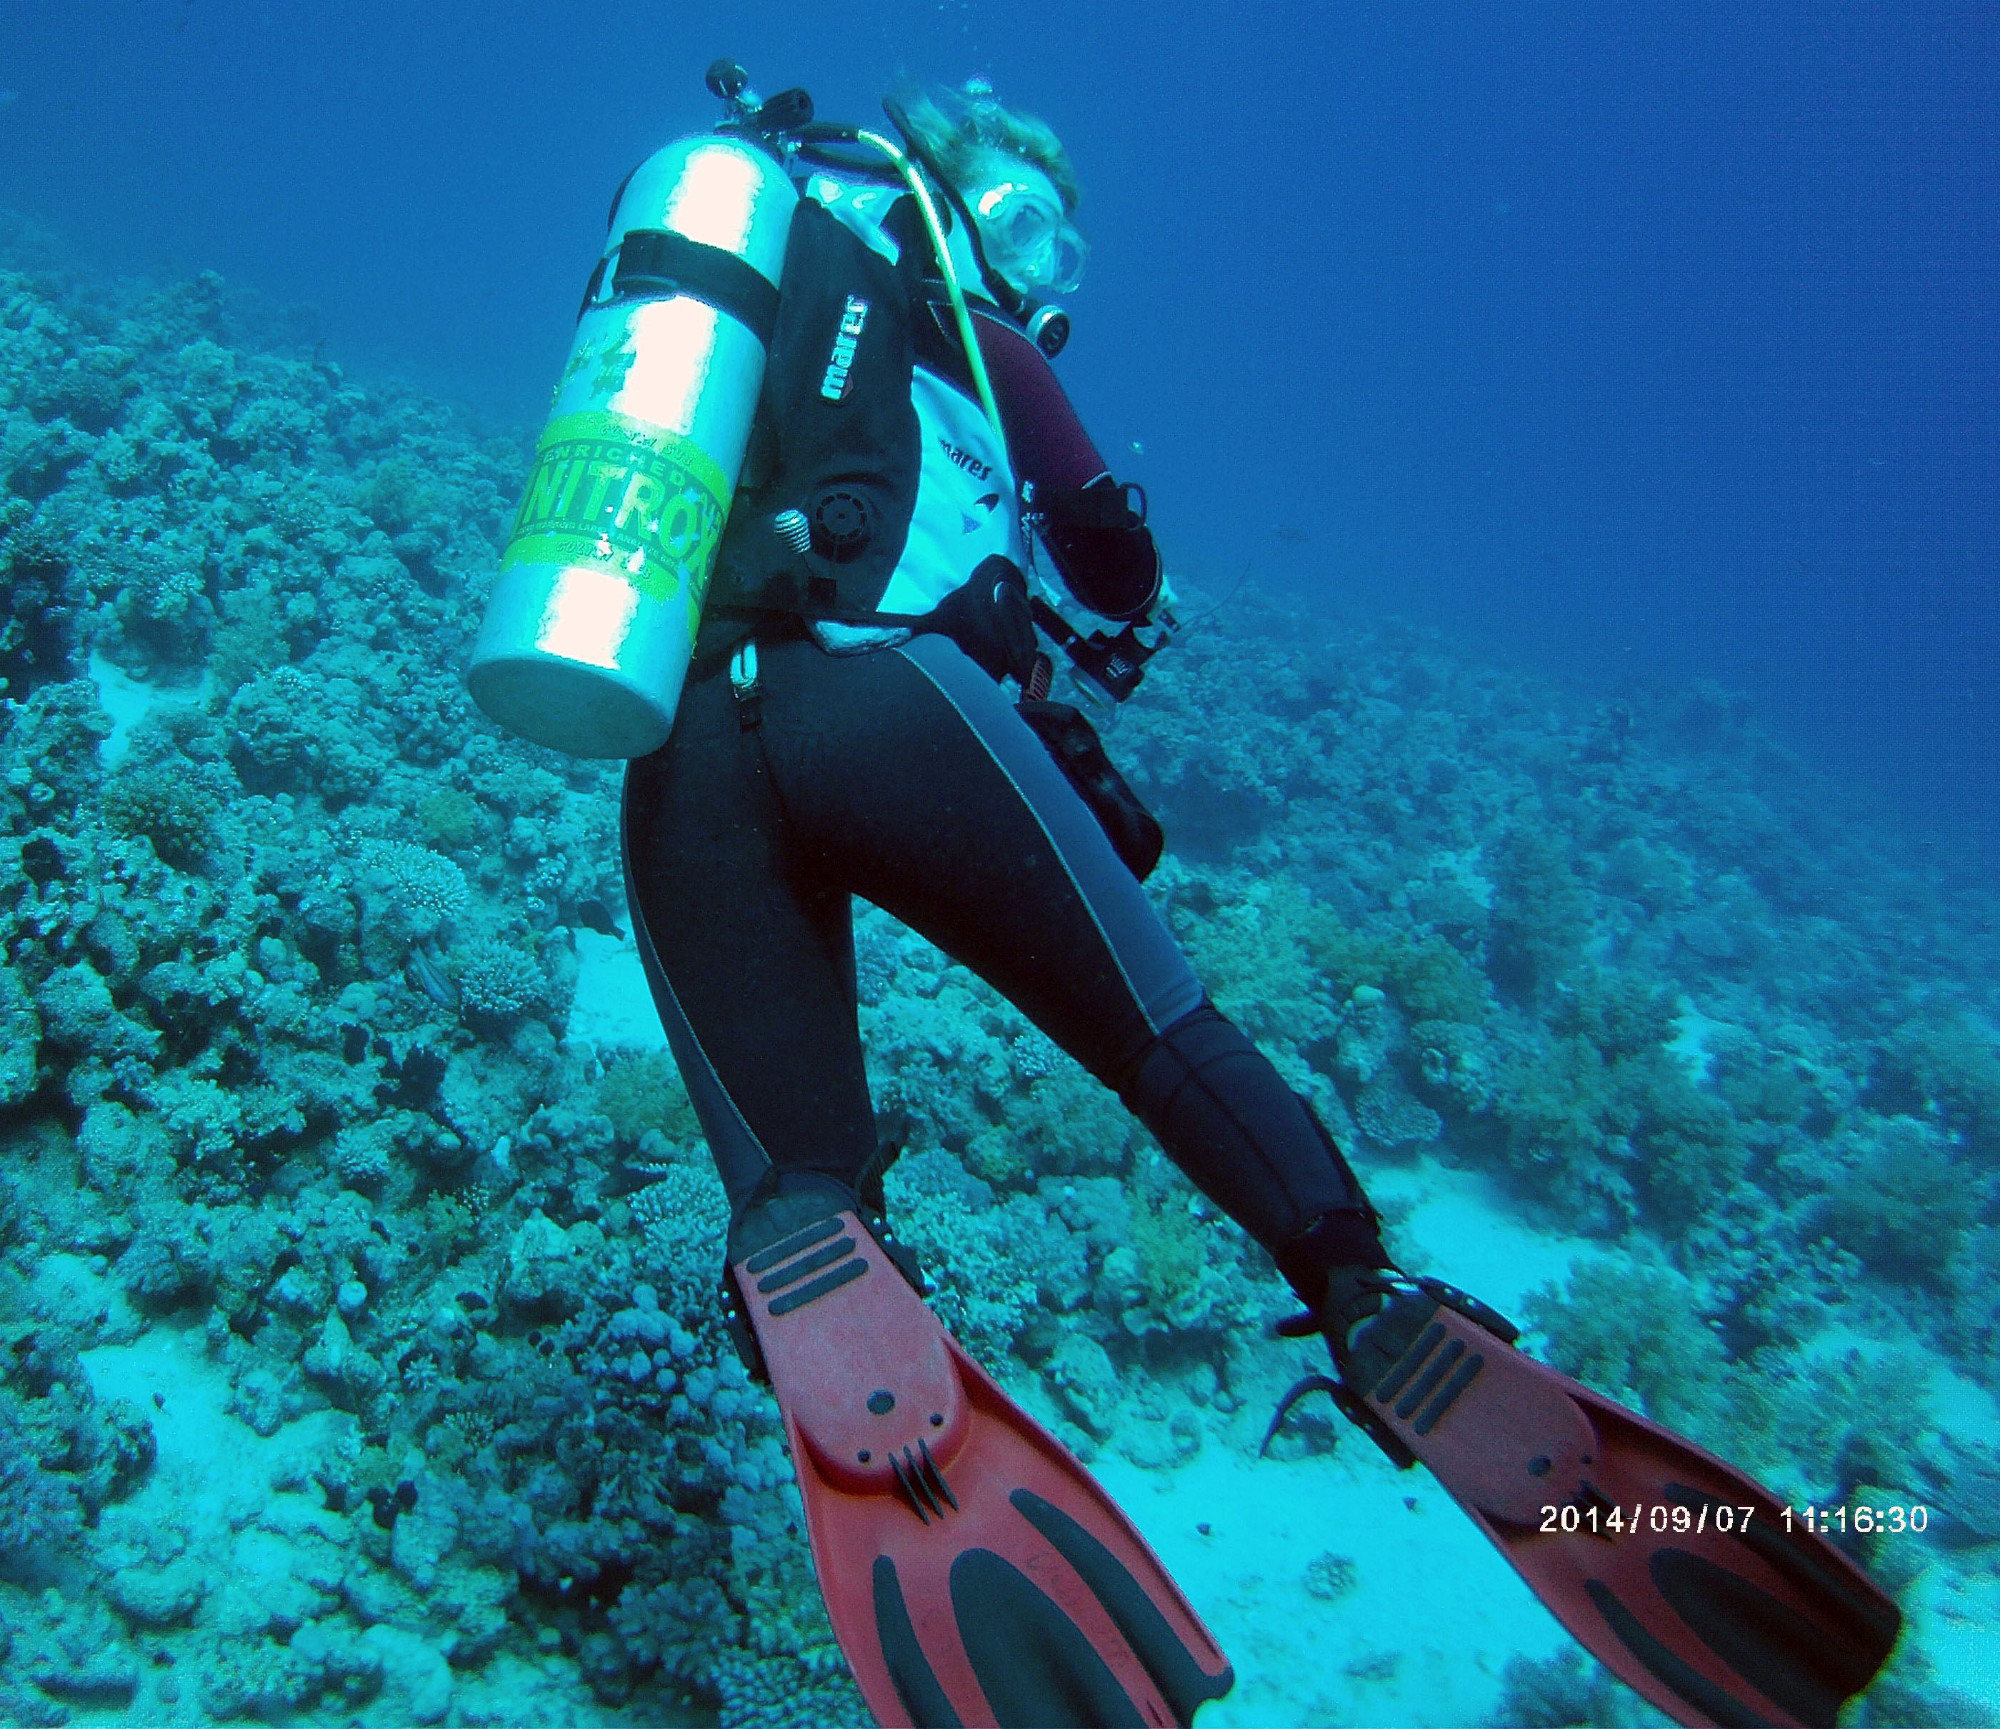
982, 1293
1387, 1114
425, 889
451, 816
1898, 1201
39, 1517
498, 981
20, 1039
1948, 1060
1636, 1333
641, 1092
1541, 914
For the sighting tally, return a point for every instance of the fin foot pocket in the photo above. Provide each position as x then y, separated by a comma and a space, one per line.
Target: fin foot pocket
1018, 1592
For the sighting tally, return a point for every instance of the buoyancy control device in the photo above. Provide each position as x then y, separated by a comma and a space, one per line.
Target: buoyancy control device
591, 624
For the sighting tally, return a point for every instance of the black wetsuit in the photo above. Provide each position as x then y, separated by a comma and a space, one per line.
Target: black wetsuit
905, 775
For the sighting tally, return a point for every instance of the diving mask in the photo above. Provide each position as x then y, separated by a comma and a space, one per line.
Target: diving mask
1026, 236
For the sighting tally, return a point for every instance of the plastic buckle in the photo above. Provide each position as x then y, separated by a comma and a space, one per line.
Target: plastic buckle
744, 682
1478, 1313
736, 1319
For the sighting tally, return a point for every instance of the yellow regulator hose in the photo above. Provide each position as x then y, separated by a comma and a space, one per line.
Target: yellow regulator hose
966, 335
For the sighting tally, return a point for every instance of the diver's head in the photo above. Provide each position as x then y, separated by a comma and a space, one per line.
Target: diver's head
1024, 226
1010, 174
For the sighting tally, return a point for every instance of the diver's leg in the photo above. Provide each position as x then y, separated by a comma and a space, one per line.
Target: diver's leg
952, 816
750, 956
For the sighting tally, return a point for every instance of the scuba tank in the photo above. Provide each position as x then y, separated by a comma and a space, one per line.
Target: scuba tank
591, 624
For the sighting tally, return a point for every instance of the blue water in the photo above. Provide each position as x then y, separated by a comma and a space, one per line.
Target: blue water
1631, 342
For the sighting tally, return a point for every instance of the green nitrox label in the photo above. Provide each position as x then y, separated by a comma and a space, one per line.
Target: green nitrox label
614, 492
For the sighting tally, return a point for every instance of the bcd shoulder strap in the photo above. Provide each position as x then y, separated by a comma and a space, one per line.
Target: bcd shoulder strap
820, 522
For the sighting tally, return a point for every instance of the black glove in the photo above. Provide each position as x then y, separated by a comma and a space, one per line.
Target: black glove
1326, 1262
1353, 1295
988, 616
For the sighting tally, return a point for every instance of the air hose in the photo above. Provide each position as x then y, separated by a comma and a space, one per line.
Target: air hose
922, 193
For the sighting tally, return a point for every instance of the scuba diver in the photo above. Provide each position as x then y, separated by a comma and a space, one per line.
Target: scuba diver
858, 705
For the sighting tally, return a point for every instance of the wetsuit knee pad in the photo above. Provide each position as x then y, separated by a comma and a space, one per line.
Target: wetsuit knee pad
1251, 1144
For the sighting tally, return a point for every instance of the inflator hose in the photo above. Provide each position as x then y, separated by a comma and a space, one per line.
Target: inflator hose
922, 193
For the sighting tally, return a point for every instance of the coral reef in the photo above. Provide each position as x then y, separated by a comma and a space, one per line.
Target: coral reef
288, 954
1569, 1691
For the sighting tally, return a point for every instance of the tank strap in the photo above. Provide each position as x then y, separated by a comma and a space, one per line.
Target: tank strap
652, 263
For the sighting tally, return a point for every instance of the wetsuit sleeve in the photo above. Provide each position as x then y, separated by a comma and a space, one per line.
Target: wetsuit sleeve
1093, 526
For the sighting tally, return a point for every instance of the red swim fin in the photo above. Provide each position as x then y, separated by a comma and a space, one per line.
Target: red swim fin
973, 1570
1682, 1575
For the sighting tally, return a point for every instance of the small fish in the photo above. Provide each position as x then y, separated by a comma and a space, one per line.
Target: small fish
429, 978
594, 915
1138, 449
1293, 536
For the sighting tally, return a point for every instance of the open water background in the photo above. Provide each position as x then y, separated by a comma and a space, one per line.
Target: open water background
1636, 342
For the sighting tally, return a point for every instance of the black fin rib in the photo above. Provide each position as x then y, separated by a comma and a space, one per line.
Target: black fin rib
909, 1488
848, 1271
1033, 1663
937, 1473
786, 1247
1182, 1682
1866, 1623
1715, 1703
793, 1271
1794, 1660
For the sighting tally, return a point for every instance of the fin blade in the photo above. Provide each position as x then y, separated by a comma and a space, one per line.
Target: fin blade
1715, 1621
973, 1570
1181, 1680
1715, 1705
923, 1697
1035, 1665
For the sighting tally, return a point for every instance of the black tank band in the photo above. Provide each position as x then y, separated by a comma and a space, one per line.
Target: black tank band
653, 263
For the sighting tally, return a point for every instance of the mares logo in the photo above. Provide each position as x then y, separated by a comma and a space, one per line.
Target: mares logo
834, 385
964, 459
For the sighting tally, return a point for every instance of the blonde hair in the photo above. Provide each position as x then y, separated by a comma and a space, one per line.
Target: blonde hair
955, 128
